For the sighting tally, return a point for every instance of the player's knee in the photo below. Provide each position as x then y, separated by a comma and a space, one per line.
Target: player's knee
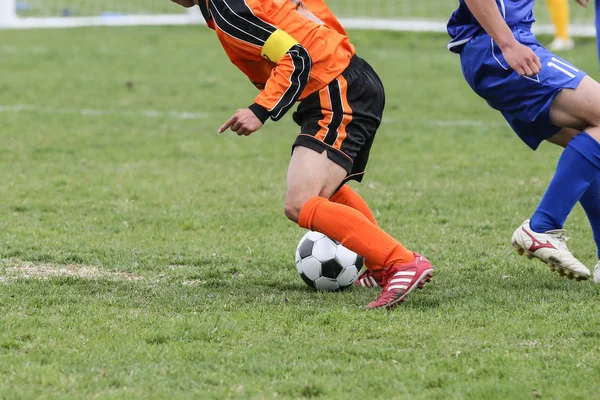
293, 206
292, 210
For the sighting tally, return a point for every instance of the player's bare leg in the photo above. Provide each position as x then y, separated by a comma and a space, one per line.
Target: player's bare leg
310, 174
579, 108
312, 179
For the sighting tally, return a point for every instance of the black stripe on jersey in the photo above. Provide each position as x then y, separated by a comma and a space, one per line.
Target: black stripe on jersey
337, 109
298, 80
204, 9
236, 19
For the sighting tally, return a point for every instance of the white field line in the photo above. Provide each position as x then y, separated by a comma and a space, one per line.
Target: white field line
95, 112
188, 115
17, 270
26, 270
445, 123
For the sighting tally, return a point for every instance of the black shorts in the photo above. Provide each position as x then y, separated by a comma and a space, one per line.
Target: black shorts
343, 117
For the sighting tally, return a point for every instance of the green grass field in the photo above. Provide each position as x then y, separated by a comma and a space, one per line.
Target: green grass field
436, 9
145, 256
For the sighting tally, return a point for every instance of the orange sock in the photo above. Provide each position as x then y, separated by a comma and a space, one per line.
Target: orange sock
348, 197
559, 12
354, 231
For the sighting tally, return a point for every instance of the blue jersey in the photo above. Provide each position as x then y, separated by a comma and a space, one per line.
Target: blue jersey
463, 26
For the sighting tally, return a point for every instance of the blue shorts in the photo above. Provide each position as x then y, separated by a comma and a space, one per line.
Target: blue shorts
524, 101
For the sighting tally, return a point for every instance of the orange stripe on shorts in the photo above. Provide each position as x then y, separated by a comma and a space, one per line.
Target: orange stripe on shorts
327, 113
347, 113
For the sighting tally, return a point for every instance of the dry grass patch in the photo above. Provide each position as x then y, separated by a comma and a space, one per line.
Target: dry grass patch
14, 270
194, 282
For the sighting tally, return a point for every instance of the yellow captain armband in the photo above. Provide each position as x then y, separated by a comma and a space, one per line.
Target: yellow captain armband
277, 45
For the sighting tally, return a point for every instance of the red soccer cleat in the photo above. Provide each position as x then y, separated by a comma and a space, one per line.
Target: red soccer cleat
370, 279
400, 280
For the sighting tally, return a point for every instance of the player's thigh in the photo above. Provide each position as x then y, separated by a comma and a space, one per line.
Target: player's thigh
310, 174
578, 108
564, 136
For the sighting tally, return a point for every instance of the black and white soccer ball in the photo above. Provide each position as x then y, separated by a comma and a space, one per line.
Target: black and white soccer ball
324, 264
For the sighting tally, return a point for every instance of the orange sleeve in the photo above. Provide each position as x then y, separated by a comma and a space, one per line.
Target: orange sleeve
286, 83
250, 32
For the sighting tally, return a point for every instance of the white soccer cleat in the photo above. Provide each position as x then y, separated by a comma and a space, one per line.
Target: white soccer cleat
550, 248
561, 44
597, 273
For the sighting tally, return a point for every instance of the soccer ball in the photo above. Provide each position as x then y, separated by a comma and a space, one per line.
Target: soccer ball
324, 264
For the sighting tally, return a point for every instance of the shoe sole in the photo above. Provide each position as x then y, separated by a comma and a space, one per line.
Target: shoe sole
425, 277
553, 264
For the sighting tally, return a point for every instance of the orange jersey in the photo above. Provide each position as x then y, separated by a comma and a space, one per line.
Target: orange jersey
287, 48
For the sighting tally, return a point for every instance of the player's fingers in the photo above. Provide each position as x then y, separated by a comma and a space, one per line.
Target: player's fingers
242, 132
527, 71
533, 66
236, 126
529, 59
519, 70
526, 68
227, 124
532, 58
538, 63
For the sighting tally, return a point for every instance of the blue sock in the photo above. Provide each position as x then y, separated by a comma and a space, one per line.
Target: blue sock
590, 201
577, 167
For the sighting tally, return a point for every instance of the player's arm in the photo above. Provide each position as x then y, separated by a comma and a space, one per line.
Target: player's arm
249, 30
288, 79
521, 58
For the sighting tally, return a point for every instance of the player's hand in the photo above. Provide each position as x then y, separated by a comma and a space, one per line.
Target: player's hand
583, 3
521, 59
185, 3
244, 122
